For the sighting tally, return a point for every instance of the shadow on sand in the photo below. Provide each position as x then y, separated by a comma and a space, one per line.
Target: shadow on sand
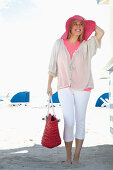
38, 157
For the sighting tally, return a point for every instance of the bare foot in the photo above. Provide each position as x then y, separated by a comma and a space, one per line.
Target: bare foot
67, 161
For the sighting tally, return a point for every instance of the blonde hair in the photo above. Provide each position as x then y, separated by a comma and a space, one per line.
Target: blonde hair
69, 33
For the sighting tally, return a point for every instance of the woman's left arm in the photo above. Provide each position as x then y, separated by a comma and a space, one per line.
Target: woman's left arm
99, 32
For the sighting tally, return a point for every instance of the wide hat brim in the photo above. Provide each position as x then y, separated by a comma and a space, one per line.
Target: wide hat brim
89, 27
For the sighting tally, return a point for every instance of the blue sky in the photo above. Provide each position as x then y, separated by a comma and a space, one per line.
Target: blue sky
18, 9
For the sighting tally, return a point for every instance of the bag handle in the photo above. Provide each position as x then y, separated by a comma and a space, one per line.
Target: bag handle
50, 99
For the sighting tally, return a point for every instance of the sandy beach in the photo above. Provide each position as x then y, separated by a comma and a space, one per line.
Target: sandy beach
21, 130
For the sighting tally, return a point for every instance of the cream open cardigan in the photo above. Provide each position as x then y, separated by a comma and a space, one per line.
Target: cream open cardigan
76, 71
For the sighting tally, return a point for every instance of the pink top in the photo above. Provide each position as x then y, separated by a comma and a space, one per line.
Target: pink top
71, 49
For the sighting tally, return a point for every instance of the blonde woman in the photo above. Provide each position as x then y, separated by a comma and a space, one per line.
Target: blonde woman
71, 62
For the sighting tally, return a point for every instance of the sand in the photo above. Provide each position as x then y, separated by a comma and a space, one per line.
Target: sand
21, 130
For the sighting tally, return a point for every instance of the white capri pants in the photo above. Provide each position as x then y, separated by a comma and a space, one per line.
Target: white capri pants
73, 105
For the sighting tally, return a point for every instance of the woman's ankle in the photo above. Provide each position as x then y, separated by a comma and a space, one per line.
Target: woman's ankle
68, 146
76, 157
69, 157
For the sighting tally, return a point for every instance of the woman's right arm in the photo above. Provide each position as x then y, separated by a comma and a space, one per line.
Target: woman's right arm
49, 89
53, 66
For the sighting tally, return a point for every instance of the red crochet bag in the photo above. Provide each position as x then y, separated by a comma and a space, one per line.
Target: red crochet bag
51, 136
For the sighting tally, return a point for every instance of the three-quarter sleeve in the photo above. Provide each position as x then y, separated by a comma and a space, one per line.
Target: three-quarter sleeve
53, 59
92, 45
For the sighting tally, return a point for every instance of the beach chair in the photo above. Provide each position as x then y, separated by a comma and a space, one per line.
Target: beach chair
103, 100
20, 98
55, 99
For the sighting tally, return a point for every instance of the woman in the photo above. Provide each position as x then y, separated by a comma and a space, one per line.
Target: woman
71, 63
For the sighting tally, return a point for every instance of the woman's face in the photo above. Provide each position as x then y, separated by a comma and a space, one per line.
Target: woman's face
77, 27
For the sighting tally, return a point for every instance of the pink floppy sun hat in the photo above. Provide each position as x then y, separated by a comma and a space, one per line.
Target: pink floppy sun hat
89, 27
